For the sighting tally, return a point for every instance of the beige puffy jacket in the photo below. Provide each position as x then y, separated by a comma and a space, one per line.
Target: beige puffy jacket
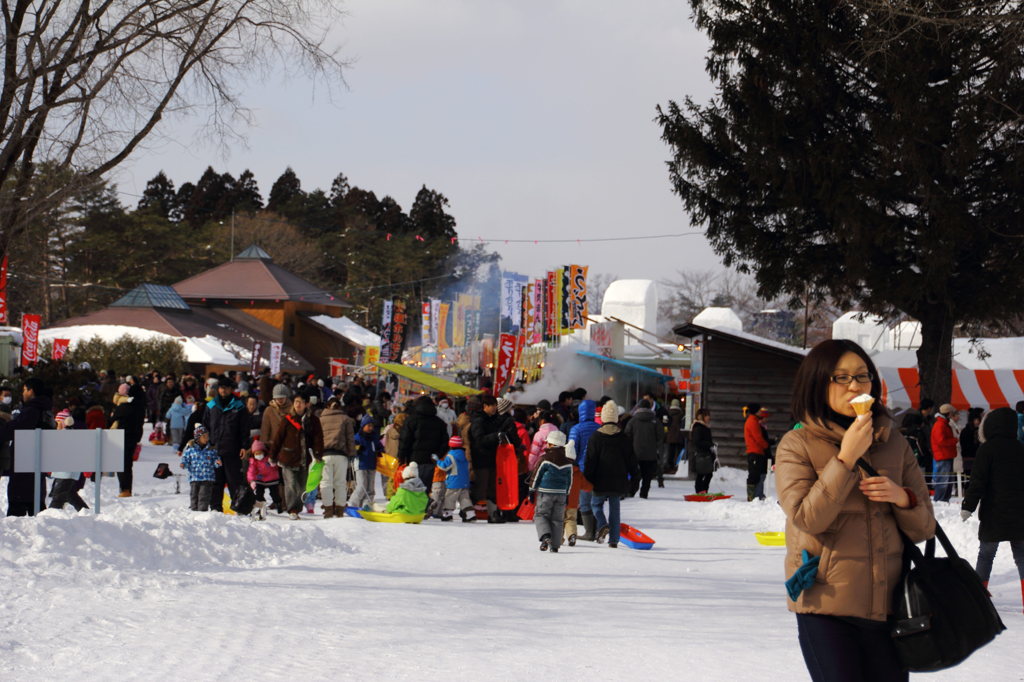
826, 514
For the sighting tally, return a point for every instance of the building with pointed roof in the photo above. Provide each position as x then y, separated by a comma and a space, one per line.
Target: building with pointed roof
245, 300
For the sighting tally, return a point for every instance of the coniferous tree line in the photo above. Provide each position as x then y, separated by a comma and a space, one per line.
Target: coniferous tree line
90, 250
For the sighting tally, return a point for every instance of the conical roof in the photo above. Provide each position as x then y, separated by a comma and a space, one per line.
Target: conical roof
253, 252
151, 296
252, 279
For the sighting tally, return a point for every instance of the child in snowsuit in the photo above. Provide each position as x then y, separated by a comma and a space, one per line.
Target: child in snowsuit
456, 483
411, 496
368, 448
550, 483
177, 416
579, 484
201, 462
65, 483
263, 475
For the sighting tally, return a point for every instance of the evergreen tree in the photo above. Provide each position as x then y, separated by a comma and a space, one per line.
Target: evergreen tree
339, 189
429, 218
209, 199
159, 197
286, 194
245, 194
861, 153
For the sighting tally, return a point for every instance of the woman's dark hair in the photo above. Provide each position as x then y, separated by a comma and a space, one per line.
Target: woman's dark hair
1020, 406
754, 408
702, 412
814, 376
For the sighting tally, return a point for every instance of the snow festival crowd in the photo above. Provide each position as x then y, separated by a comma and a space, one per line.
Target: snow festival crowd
565, 463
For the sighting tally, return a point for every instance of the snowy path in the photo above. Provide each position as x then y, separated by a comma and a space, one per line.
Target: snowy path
151, 591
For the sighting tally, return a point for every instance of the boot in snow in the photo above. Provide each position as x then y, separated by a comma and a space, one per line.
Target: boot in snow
328, 512
750, 492
589, 528
544, 542
602, 534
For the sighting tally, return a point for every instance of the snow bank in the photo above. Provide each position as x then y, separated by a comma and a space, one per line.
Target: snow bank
135, 536
206, 350
344, 327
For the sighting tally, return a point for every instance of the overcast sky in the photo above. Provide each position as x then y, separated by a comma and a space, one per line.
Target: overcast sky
534, 118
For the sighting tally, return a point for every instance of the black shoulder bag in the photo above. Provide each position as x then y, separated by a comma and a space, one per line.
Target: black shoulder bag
942, 612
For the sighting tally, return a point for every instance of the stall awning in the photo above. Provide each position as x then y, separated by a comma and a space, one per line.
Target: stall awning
621, 364
987, 388
428, 380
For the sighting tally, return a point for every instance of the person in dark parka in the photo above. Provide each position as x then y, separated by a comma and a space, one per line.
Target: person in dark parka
36, 411
423, 435
227, 422
997, 483
647, 434
130, 415
613, 470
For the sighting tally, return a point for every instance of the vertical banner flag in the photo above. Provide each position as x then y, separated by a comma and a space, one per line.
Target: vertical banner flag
528, 311
459, 321
4, 318
275, 357
30, 339
506, 360
385, 332
257, 349
399, 321
539, 296
435, 321
564, 293
559, 302
508, 290
372, 355
578, 296
426, 338
60, 347
442, 325
550, 330
473, 321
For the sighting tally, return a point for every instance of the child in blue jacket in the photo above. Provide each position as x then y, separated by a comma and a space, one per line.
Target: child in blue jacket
457, 483
551, 482
201, 461
368, 449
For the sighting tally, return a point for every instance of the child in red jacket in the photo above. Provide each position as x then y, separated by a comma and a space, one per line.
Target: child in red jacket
263, 475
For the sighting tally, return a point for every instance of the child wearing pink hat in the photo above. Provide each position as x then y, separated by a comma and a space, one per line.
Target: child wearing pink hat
263, 475
456, 483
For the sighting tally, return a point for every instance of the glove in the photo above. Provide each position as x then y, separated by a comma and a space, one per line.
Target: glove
804, 576
435, 458
253, 486
964, 515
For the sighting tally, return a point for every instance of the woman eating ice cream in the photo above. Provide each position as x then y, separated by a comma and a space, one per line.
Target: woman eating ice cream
842, 521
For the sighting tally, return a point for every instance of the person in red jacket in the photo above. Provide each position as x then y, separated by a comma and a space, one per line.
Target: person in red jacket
944, 443
757, 451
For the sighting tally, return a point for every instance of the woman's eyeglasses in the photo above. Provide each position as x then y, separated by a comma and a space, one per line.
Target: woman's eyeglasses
846, 379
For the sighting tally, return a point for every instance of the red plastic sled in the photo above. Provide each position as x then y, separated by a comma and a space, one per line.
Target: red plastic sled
633, 538
705, 497
507, 477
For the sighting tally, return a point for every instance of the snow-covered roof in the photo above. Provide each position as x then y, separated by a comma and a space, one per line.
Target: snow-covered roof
871, 332
719, 318
354, 332
206, 350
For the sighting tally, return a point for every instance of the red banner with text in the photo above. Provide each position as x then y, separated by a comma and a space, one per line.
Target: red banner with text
30, 339
506, 361
60, 348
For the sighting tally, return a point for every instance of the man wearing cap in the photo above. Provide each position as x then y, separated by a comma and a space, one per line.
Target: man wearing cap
228, 425
944, 444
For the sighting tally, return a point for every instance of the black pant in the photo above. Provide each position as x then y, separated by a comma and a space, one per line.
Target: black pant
275, 495
124, 478
65, 491
848, 649
230, 474
648, 470
757, 466
702, 482
20, 496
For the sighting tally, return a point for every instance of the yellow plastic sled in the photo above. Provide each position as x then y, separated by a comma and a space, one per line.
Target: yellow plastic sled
771, 539
384, 517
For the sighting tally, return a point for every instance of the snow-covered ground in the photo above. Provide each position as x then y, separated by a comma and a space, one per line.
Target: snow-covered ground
148, 590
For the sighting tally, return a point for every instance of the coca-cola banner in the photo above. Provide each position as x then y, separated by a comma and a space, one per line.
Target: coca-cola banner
30, 339
60, 347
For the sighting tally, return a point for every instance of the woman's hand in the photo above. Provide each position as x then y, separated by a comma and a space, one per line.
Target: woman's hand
884, 489
856, 441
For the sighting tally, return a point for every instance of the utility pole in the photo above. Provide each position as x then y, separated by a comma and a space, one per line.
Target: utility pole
232, 234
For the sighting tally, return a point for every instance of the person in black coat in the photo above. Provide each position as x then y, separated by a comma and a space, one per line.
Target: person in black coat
647, 434
36, 412
198, 416
611, 467
701, 450
424, 434
970, 438
227, 421
485, 435
998, 484
130, 415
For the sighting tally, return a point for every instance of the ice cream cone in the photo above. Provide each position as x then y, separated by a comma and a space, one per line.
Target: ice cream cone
862, 404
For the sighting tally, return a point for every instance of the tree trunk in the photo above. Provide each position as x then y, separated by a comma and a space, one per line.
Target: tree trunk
935, 356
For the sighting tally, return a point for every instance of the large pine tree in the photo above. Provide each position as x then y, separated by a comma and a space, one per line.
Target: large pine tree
863, 152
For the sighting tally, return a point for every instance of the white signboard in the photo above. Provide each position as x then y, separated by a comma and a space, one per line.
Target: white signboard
69, 450
275, 357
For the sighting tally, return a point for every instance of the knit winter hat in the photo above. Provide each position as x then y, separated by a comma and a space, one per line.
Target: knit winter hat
455, 442
122, 389
257, 446
63, 414
411, 471
504, 406
610, 412
556, 438
199, 431
947, 409
282, 391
